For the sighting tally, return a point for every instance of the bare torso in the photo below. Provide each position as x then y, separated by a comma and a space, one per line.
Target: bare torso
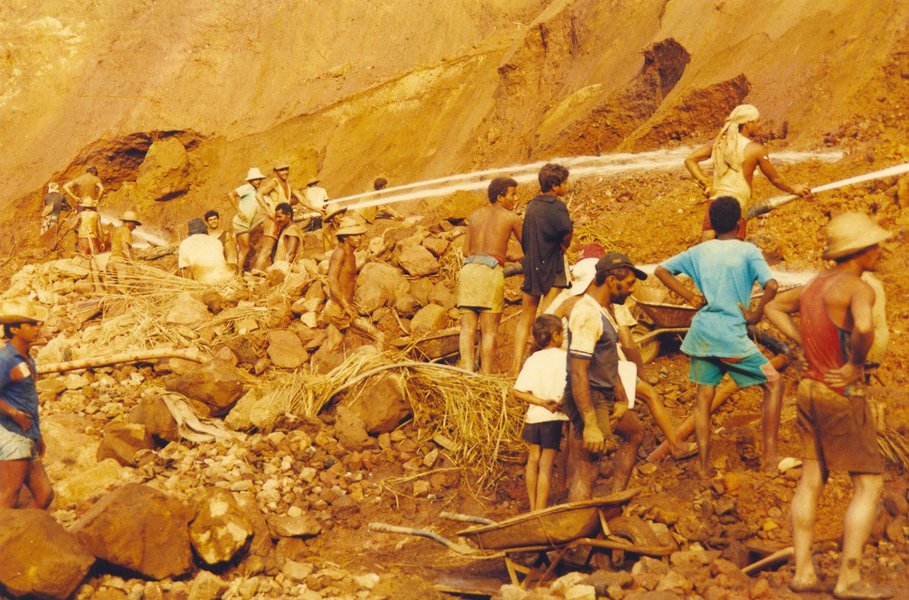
342, 275
489, 230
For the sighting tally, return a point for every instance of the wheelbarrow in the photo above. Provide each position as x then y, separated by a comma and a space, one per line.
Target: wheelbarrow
593, 526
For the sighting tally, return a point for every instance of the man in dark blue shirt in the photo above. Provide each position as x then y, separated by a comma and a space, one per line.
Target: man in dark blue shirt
21, 444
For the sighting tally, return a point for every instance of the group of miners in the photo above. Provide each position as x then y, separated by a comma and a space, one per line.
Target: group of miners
586, 370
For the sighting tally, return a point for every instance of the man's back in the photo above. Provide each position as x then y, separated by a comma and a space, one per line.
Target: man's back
490, 229
86, 185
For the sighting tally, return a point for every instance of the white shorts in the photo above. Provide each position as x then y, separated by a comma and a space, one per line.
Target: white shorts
16, 447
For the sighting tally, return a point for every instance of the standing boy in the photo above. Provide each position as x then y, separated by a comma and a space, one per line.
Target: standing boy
725, 270
545, 236
541, 383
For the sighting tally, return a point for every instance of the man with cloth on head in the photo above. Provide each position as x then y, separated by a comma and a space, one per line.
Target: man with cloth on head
54, 204
243, 199
837, 426
595, 399
21, 443
481, 285
725, 270
734, 157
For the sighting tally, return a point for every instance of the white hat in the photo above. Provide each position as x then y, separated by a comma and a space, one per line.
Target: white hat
281, 164
852, 232
22, 310
350, 226
131, 215
312, 181
52, 187
582, 273
254, 173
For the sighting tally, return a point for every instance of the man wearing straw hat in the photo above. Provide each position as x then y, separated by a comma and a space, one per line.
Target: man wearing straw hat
121, 247
342, 276
734, 157
481, 284
333, 216
21, 444
243, 199
90, 233
836, 423
274, 192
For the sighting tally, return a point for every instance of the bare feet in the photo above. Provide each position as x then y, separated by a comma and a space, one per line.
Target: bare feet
684, 451
862, 589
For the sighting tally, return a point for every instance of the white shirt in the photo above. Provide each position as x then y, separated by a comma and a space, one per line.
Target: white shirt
543, 375
315, 196
203, 255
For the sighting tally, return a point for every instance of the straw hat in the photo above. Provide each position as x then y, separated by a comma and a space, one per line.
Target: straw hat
350, 226
131, 216
281, 164
22, 310
312, 181
88, 202
254, 173
52, 187
334, 209
851, 232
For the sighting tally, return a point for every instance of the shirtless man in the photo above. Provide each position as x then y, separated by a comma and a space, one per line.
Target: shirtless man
224, 235
836, 424
243, 199
342, 280
121, 248
545, 235
481, 287
734, 157
86, 185
274, 192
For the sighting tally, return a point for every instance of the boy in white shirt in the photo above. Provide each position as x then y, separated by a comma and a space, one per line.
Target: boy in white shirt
541, 383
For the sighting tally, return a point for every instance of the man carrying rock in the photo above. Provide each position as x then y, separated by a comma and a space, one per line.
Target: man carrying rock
545, 236
201, 256
734, 158
274, 192
86, 185
725, 270
342, 280
21, 444
836, 424
243, 199
481, 286
595, 400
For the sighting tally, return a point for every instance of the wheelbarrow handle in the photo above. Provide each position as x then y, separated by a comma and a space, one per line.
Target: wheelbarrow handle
452, 516
432, 535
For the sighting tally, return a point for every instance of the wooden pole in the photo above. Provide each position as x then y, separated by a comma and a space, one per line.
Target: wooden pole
192, 354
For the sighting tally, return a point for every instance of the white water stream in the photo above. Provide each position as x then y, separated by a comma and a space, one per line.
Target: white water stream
580, 166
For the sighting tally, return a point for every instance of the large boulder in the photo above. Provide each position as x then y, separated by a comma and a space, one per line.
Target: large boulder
216, 384
164, 174
69, 450
429, 319
187, 310
220, 530
350, 429
418, 261
285, 349
40, 558
378, 285
255, 410
141, 529
83, 485
383, 405
153, 414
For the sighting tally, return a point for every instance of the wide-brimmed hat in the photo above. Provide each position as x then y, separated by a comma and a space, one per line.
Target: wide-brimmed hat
582, 273
254, 173
350, 226
88, 202
334, 209
312, 181
131, 216
281, 164
53, 187
22, 310
852, 232
613, 260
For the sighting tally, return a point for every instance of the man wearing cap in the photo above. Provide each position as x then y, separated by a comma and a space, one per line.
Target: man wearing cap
734, 157
595, 399
545, 235
247, 216
54, 204
21, 444
837, 427
342, 277
481, 285
201, 256
272, 193
725, 270
87, 185
90, 233
333, 216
